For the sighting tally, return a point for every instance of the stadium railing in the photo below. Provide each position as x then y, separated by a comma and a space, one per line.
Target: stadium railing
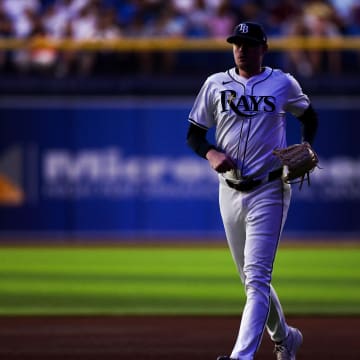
180, 44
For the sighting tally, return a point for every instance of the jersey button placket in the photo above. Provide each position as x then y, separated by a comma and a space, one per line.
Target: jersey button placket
244, 137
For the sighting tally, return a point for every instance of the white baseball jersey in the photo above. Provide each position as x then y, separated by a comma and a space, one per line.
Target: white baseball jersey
253, 125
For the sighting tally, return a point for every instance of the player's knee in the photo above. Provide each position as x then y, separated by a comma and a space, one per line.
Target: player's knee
257, 280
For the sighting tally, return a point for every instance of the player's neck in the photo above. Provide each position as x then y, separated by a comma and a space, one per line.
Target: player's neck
248, 73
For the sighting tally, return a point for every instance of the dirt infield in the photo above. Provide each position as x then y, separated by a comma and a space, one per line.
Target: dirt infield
162, 338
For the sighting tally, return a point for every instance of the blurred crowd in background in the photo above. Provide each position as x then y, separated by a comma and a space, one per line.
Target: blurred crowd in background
116, 19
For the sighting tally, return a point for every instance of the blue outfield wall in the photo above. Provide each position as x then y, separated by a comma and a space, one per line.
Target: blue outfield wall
120, 167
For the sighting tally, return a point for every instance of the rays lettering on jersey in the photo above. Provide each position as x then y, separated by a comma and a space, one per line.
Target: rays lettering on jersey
246, 105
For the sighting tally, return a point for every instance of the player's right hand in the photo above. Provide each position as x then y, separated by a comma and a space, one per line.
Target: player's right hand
219, 161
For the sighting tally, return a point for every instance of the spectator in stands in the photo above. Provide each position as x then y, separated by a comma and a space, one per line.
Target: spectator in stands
353, 21
223, 21
169, 24
90, 19
6, 31
55, 21
280, 14
344, 10
198, 20
353, 28
317, 19
17, 10
248, 9
108, 28
81, 27
70, 9
321, 21
43, 58
297, 60
23, 27
27, 23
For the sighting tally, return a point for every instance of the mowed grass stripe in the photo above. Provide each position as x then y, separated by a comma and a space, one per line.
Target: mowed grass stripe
167, 280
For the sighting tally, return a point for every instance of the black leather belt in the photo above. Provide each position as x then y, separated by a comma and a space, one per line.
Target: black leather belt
250, 184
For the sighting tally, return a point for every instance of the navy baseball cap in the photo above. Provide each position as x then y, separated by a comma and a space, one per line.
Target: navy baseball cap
250, 31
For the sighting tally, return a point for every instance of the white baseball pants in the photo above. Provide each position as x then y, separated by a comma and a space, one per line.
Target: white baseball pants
253, 223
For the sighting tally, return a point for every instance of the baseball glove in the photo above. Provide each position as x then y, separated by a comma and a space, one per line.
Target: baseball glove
298, 160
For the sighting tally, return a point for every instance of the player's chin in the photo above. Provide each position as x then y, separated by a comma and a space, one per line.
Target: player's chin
243, 64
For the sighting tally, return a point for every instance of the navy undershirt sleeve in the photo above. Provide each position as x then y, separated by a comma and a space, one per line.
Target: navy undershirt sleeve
309, 124
196, 140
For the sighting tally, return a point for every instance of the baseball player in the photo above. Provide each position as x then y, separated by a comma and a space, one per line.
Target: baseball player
247, 105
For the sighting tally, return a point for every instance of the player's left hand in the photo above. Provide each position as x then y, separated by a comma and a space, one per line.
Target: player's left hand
299, 161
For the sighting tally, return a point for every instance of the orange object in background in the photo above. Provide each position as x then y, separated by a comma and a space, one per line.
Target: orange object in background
10, 194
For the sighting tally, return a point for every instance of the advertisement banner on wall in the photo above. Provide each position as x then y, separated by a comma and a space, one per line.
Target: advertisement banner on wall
121, 167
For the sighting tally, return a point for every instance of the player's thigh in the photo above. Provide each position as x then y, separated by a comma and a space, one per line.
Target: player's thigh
265, 221
233, 217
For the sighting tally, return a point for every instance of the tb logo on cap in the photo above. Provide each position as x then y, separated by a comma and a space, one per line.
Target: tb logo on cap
243, 28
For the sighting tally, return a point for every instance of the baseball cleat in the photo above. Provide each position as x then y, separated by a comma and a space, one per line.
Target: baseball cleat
287, 349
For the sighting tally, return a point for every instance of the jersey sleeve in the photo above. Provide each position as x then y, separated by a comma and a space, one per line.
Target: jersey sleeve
202, 112
297, 101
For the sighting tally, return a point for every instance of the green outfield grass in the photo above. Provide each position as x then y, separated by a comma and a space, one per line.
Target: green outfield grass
169, 280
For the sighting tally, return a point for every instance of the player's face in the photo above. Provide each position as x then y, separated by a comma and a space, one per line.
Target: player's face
248, 55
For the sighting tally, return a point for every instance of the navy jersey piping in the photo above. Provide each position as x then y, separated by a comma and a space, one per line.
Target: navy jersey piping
260, 81
197, 124
238, 82
240, 135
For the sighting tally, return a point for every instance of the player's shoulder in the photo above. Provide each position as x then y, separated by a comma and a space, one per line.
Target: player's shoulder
281, 75
286, 75
284, 78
